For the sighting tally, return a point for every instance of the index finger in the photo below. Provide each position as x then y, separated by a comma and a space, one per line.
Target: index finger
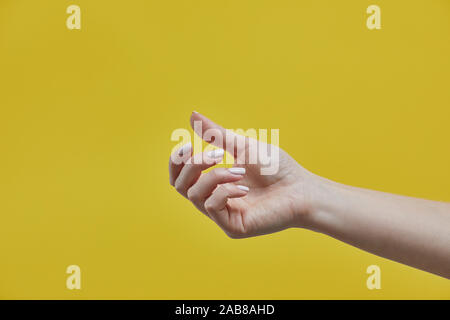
218, 136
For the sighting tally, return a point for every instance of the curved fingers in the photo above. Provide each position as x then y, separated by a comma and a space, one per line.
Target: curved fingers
216, 207
193, 168
207, 182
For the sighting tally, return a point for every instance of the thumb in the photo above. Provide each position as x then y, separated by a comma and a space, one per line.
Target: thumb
216, 135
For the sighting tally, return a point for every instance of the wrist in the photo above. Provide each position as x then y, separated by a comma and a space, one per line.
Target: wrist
322, 197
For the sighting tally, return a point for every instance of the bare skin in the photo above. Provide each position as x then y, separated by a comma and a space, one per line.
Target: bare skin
412, 231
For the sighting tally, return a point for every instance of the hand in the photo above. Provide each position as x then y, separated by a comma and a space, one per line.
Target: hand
245, 203
241, 200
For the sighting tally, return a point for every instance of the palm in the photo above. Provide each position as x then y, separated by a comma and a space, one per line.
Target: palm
270, 206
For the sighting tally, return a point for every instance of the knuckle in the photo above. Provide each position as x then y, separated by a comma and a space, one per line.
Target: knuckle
192, 195
235, 232
215, 174
224, 188
179, 187
234, 235
209, 206
222, 173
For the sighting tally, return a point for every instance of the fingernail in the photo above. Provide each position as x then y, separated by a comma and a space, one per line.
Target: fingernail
185, 149
194, 111
216, 153
237, 170
243, 188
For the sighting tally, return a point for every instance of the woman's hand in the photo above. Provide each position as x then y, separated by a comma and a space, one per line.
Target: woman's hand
241, 200
245, 203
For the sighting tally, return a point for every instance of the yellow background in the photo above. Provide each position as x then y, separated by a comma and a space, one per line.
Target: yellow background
86, 118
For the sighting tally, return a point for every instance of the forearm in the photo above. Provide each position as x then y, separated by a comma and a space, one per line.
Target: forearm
412, 231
